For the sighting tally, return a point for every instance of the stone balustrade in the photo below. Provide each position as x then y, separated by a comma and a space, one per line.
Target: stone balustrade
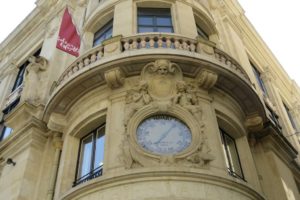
159, 41
148, 42
90, 57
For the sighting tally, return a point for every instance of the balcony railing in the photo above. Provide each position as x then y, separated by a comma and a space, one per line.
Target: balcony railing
152, 41
91, 175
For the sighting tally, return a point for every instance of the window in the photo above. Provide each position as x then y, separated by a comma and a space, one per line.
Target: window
91, 156
232, 157
201, 33
104, 33
290, 116
19, 79
258, 78
154, 20
6, 131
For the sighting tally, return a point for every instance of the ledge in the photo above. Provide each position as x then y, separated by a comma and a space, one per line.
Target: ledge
170, 174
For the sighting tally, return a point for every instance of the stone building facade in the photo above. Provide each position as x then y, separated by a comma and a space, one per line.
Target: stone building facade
169, 99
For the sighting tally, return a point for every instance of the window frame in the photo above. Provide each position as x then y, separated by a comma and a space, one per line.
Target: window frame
259, 79
93, 172
229, 164
103, 31
289, 114
154, 14
201, 32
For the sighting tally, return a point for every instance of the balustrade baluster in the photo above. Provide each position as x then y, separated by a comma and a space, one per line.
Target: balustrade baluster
169, 43
126, 46
143, 43
151, 43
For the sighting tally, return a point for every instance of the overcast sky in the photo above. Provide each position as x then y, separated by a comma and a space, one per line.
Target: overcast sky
276, 21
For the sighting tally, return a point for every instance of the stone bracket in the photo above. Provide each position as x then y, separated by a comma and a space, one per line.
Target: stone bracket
114, 78
206, 79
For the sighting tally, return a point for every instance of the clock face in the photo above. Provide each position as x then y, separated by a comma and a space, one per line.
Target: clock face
163, 134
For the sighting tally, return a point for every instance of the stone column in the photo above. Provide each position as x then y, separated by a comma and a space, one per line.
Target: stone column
57, 143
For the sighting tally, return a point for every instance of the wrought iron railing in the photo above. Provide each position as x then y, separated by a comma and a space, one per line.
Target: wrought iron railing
91, 175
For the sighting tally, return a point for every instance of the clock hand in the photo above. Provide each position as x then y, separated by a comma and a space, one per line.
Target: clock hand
164, 134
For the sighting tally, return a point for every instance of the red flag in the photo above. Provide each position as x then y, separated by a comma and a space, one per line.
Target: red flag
68, 38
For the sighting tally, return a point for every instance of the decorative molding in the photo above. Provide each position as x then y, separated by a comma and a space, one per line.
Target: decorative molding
114, 78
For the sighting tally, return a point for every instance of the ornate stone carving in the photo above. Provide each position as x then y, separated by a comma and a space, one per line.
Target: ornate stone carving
162, 90
136, 99
187, 98
162, 76
33, 78
207, 79
202, 155
114, 78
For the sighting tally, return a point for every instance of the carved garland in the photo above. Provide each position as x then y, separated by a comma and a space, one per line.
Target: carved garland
162, 90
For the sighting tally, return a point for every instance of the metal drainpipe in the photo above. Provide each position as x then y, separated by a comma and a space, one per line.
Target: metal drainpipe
57, 142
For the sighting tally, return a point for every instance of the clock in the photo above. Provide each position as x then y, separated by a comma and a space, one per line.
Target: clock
164, 135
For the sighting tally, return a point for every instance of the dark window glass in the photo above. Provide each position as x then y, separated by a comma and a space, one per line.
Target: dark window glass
154, 20
290, 116
258, 78
232, 157
91, 156
20, 76
202, 33
104, 33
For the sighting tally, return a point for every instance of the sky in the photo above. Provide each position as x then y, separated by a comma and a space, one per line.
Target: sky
276, 21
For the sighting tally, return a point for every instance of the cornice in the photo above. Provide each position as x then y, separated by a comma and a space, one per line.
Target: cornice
274, 141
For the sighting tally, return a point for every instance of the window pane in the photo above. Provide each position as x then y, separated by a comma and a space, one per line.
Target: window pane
145, 21
233, 156
154, 20
99, 151
165, 29
145, 29
6, 132
86, 155
104, 33
163, 21
202, 33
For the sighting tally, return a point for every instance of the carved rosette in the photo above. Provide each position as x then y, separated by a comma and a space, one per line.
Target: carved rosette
162, 90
